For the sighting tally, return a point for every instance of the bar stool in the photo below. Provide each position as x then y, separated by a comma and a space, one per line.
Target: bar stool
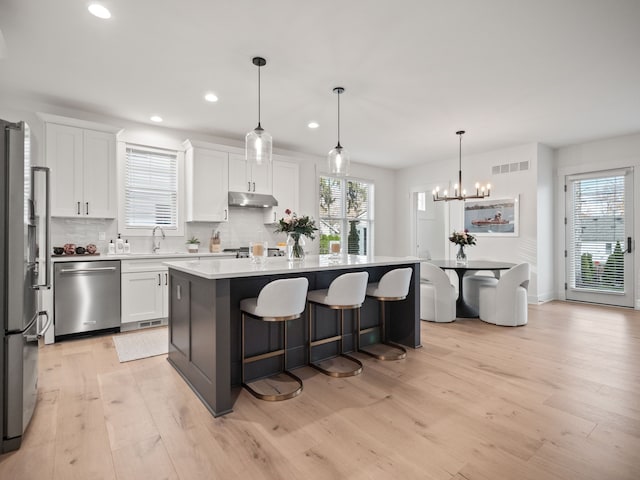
393, 286
278, 301
346, 292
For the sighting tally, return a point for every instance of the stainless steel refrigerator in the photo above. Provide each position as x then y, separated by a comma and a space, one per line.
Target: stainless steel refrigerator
25, 268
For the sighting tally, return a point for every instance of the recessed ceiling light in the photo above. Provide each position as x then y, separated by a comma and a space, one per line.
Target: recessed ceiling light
211, 97
156, 118
313, 125
99, 11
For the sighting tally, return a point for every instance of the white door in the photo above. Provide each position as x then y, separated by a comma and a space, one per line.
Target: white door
238, 175
143, 296
99, 175
64, 158
599, 243
430, 227
261, 178
208, 186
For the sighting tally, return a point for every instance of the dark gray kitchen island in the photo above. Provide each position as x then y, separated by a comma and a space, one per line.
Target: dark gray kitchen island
204, 318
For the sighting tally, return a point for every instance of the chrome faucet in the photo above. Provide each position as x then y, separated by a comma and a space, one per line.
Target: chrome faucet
156, 245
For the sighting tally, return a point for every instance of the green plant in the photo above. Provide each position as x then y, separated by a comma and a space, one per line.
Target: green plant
613, 274
324, 242
587, 268
193, 240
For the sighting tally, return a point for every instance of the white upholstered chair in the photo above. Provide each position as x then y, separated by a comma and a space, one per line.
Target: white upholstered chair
278, 301
471, 287
505, 303
437, 295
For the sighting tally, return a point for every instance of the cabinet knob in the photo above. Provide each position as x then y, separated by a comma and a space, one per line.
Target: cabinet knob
249, 186
78, 208
87, 208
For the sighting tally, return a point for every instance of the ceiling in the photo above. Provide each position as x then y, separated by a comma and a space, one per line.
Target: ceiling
415, 71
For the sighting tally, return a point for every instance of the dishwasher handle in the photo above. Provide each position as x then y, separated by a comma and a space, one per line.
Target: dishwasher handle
88, 270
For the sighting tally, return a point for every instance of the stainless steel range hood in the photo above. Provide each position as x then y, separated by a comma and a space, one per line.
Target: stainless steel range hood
247, 199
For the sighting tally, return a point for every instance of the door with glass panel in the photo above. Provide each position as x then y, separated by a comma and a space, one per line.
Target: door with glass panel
599, 242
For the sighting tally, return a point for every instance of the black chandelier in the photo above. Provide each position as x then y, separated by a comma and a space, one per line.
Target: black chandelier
458, 192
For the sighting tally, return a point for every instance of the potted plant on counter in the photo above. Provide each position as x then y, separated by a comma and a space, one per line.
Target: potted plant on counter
193, 244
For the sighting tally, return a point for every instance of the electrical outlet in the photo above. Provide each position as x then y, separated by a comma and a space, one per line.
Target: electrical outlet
101, 236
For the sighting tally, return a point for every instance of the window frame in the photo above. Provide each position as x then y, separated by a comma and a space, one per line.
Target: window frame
122, 164
343, 218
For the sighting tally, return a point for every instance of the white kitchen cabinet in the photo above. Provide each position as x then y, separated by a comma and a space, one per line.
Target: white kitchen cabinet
207, 178
83, 171
246, 177
144, 290
286, 178
144, 296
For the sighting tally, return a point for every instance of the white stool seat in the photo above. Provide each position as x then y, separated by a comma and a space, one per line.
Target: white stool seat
393, 286
278, 301
437, 295
346, 292
505, 303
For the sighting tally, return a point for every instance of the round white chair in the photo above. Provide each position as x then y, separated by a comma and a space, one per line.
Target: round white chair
346, 292
471, 284
437, 295
505, 303
392, 287
278, 301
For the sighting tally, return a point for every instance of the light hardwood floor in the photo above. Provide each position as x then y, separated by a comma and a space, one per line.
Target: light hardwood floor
556, 399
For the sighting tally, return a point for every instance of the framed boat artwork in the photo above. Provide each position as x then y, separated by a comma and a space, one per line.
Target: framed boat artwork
493, 217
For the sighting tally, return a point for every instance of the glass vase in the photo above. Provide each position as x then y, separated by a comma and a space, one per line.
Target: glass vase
295, 247
461, 256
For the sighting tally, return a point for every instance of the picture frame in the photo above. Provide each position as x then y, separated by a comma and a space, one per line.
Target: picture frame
493, 217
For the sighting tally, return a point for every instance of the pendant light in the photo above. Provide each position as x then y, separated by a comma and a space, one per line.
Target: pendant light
258, 142
338, 157
460, 193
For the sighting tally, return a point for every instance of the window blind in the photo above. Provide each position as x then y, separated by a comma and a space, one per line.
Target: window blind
151, 188
597, 233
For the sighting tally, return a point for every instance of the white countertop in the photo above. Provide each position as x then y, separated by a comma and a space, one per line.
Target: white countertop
212, 269
141, 256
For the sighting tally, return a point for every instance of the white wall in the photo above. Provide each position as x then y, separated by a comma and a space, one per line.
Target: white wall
245, 224
523, 248
605, 154
545, 220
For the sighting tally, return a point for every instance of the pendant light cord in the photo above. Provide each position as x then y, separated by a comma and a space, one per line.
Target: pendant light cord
460, 162
259, 67
338, 119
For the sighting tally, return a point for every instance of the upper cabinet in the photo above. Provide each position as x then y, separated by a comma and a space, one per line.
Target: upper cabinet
83, 171
207, 177
286, 178
245, 177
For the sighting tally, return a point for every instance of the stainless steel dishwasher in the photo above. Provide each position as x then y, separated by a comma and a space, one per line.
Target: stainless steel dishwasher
86, 297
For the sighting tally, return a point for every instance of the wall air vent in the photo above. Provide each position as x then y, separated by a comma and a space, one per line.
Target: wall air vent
510, 167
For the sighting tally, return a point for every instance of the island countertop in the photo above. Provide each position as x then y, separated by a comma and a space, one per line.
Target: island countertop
212, 269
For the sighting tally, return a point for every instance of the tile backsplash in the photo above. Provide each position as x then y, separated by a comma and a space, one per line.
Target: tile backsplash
244, 225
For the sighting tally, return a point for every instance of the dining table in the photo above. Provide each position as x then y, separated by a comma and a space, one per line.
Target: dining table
463, 309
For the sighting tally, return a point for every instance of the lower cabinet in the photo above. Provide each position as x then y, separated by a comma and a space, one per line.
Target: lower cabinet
145, 291
144, 295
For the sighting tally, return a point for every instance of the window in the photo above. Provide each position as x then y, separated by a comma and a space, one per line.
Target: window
346, 214
151, 189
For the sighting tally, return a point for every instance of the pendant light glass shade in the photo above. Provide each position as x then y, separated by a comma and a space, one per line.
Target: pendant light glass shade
258, 143
338, 158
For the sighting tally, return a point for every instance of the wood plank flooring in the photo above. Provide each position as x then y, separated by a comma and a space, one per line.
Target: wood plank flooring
556, 399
